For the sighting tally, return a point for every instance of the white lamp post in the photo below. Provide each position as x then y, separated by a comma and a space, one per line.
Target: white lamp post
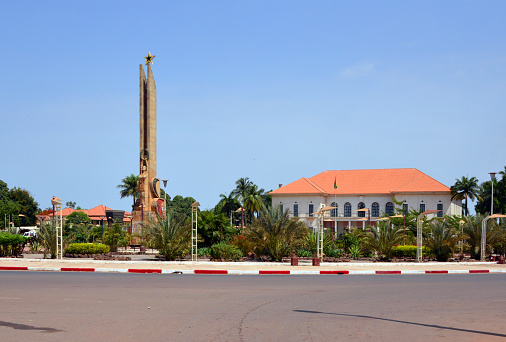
165, 193
492, 178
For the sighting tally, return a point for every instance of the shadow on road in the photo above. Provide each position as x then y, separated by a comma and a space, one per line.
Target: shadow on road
27, 327
404, 322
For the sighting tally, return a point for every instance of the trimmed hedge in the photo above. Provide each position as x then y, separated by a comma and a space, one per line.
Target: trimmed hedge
12, 244
409, 251
87, 248
225, 251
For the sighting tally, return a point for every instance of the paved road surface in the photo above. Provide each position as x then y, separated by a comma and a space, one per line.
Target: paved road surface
51, 306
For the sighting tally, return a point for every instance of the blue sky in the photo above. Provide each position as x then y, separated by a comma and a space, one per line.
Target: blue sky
270, 90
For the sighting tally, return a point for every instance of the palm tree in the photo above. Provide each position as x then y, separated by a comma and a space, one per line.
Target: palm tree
129, 187
275, 234
253, 200
169, 234
47, 239
442, 239
465, 188
240, 192
383, 239
227, 204
472, 234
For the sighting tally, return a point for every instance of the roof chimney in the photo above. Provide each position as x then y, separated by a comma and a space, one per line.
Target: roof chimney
280, 185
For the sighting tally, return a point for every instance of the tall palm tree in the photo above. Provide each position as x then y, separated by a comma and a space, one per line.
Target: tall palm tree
242, 186
253, 201
129, 187
465, 188
227, 204
240, 192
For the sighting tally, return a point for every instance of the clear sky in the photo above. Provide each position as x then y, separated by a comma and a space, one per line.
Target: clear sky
270, 90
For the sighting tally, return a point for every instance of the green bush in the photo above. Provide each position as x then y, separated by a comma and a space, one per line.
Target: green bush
201, 252
12, 244
304, 253
86, 248
333, 252
225, 251
409, 251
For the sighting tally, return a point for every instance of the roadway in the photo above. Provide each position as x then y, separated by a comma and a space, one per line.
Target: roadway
61, 306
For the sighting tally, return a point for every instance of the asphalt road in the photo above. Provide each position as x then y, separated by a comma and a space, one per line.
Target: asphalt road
58, 306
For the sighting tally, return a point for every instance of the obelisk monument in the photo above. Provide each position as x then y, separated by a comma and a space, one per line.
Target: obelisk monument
149, 201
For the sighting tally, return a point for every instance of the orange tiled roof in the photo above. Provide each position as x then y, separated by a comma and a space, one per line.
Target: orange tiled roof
376, 181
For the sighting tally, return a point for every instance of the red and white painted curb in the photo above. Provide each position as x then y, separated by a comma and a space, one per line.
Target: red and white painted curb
243, 272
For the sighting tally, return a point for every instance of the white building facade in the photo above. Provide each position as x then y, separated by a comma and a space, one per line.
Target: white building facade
362, 196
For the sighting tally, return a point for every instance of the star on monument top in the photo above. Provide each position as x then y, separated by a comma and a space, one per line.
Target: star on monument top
149, 58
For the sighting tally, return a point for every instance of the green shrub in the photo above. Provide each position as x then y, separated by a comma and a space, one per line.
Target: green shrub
304, 253
201, 252
409, 251
225, 251
12, 244
333, 252
86, 248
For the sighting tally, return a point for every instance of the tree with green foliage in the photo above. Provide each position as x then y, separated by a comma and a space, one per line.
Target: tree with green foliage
442, 239
19, 204
495, 234
129, 188
464, 189
253, 202
170, 235
47, 239
70, 204
227, 204
115, 236
77, 217
214, 228
180, 206
275, 234
383, 238
485, 193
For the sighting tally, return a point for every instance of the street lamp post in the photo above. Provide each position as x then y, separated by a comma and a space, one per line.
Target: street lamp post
492, 178
165, 194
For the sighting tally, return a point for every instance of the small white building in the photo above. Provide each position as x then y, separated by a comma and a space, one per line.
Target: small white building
362, 196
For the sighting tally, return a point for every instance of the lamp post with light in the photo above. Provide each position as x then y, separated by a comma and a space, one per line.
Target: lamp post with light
492, 178
165, 194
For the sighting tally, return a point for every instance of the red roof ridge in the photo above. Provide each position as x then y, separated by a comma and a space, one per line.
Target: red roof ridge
317, 187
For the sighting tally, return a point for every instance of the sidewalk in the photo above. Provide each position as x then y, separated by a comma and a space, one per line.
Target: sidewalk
207, 267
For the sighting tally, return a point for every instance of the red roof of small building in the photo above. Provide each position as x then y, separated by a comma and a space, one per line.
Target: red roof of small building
352, 182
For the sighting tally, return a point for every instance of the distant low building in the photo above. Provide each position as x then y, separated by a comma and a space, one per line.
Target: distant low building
99, 215
360, 197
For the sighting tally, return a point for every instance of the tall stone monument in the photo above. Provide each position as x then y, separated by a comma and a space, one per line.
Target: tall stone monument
149, 201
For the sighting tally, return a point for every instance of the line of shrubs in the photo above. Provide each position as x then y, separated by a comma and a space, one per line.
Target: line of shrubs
12, 244
87, 248
409, 251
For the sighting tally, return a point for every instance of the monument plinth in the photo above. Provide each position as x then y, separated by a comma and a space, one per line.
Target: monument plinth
149, 201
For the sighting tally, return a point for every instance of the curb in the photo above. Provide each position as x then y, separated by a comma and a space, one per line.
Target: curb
242, 272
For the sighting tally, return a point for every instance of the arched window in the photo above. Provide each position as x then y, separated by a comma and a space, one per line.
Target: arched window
389, 209
361, 205
347, 209
333, 212
375, 210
